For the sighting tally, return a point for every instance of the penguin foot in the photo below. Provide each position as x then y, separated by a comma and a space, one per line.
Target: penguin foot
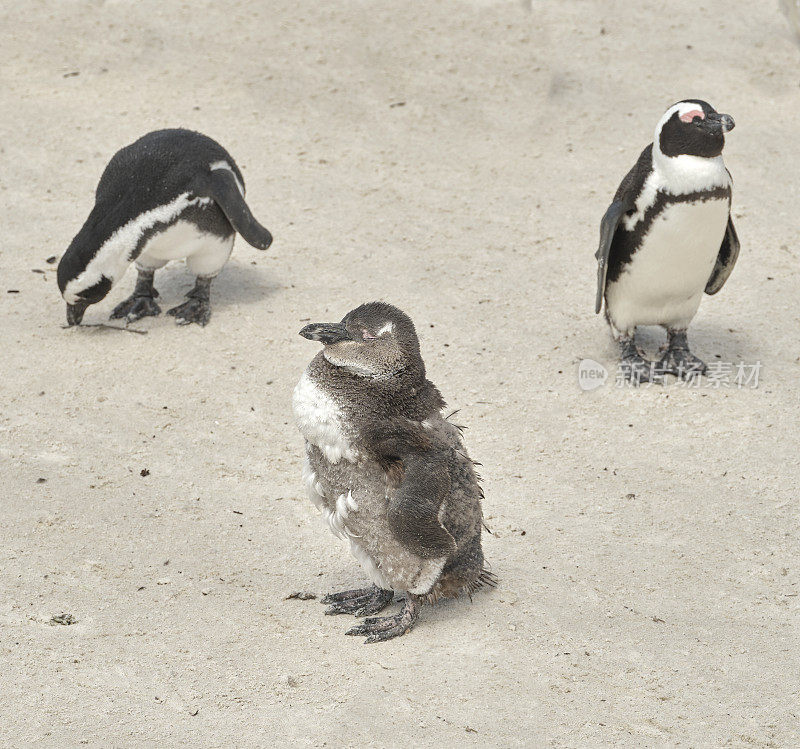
681, 363
135, 307
360, 602
192, 310
636, 369
677, 358
379, 629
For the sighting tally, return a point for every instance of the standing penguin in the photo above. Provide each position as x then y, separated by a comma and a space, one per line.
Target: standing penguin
388, 472
172, 194
667, 237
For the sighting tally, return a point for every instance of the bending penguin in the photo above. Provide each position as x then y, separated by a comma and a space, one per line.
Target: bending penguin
667, 237
389, 473
172, 194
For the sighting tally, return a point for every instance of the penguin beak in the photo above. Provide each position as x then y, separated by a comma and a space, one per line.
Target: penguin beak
326, 332
75, 313
719, 123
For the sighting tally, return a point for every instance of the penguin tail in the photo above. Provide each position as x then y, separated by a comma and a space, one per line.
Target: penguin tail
222, 186
485, 579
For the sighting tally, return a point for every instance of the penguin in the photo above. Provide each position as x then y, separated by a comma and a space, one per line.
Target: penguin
171, 194
667, 237
389, 473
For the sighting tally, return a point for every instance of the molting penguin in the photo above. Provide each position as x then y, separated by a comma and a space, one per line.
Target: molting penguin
389, 473
172, 194
667, 237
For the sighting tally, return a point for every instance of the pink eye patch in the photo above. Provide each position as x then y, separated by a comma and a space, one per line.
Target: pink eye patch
689, 116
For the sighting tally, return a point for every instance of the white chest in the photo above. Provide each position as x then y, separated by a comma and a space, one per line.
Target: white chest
320, 421
678, 252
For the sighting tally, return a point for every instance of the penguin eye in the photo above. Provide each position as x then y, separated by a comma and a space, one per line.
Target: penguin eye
368, 336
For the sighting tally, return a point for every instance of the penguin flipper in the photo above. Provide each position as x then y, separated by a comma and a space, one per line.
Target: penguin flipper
414, 508
419, 468
221, 185
608, 227
726, 259
624, 201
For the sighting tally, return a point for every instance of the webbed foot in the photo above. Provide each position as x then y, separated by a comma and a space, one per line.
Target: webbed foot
379, 629
142, 303
634, 367
193, 310
361, 602
136, 307
677, 359
197, 308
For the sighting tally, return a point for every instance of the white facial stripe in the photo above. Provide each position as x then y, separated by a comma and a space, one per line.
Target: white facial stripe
114, 255
388, 328
225, 165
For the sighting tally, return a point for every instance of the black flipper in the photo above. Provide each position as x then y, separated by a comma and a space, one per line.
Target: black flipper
221, 185
608, 227
419, 468
414, 509
624, 202
726, 259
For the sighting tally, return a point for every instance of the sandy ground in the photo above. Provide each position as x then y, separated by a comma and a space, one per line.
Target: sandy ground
646, 541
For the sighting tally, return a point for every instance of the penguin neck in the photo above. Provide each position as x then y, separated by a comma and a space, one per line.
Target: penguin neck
85, 263
684, 174
406, 394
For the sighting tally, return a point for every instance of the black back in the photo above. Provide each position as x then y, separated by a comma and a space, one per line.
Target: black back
148, 173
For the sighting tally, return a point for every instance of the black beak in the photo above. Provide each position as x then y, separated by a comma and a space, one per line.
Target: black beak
326, 332
719, 123
75, 313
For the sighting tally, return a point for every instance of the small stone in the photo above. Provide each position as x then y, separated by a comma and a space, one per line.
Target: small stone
64, 619
163, 581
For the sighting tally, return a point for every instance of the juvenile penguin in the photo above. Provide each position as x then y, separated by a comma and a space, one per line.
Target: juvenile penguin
389, 473
171, 194
667, 237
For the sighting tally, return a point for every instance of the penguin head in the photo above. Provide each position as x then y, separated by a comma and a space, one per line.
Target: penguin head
86, 273
692, 128
375, 340
79, 296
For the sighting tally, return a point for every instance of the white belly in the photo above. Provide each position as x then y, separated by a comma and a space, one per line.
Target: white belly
664, 282
205, 253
